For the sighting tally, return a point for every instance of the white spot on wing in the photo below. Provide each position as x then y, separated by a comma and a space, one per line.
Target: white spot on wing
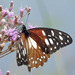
65, 43
49, 35
17, 51
51, 41
44, 57
67, 36
60, 33
67, 40
40, 60
31, 58
24, 52
29, 65
60, 37
29, 43
34, 44
41, 57
37, 58
45, 49
21, 41
22, 58
52, 32
55, 47
57, 43
46, 41
50, 48
61, 43
35, 62
43, 52
39, 47
43, 33
19, 55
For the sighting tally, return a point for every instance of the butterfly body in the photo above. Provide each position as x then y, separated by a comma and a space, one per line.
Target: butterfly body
37, 44
25, 31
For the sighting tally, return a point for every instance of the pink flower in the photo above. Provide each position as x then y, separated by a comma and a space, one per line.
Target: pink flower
5, 12
3, 22
30, 27
10, 14
19, 22
21, 12
12, 33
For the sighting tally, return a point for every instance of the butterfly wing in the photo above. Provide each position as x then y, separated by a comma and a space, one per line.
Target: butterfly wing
36, 56
21, 52
41, 42
50, 40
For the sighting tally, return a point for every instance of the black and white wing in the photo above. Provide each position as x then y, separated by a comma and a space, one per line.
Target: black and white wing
50, 40
21, 53
41, 42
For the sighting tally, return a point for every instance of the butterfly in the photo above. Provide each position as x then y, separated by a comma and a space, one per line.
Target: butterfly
37, 44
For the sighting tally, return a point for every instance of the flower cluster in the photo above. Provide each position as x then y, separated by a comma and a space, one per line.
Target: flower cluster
8, 27
9, 32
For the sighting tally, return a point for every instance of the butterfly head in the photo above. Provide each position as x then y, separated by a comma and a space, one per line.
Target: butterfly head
25, 31
23, 28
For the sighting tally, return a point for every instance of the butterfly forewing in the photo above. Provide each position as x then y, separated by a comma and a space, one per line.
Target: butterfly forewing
50, 40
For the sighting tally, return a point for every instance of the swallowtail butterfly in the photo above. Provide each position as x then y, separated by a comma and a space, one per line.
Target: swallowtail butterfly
37, 44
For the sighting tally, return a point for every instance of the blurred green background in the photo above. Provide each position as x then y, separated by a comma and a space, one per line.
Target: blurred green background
57, 14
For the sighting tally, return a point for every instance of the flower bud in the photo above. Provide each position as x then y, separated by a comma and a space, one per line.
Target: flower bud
29, 9
11, 6
21, 12
3, 22
5, 12
0, 36
26, 8
2, 46
0, 7
8, 72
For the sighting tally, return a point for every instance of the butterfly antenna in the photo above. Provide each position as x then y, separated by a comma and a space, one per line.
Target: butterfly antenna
27, 18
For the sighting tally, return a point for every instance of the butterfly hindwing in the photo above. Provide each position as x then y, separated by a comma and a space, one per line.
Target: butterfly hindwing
36, 56
21, 55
